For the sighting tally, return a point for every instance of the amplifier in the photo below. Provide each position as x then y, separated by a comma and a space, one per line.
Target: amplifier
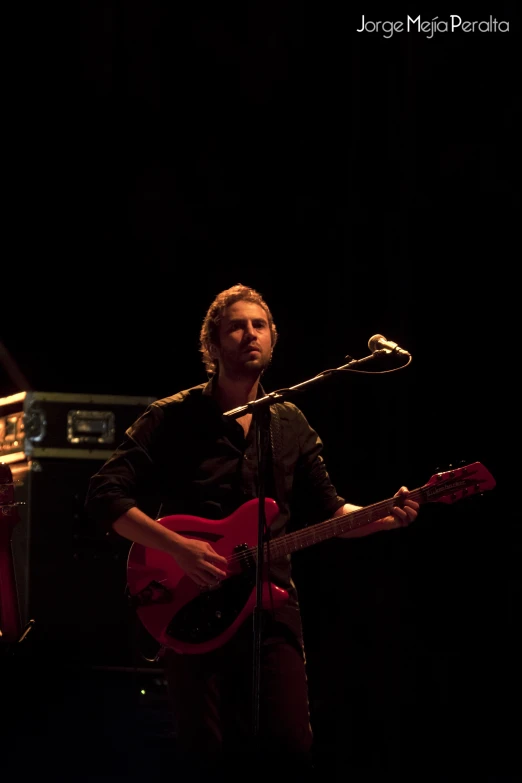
70, 576
36, 424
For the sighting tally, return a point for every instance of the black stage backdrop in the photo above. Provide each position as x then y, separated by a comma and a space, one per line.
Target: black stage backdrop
364, 183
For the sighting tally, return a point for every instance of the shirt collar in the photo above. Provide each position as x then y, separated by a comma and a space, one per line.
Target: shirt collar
208, 389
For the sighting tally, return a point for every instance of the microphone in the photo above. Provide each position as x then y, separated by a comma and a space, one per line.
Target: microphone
380, 343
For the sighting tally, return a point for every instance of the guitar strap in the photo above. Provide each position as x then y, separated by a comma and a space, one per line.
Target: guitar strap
276, 447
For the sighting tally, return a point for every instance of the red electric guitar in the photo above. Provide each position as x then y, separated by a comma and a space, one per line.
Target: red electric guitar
10, 626
188, 619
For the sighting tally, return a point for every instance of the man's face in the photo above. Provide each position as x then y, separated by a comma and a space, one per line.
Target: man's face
245, 344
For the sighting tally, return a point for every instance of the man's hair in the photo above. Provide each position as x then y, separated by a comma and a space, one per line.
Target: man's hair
209, 334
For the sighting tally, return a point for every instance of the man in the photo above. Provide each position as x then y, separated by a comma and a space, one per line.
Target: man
197, 461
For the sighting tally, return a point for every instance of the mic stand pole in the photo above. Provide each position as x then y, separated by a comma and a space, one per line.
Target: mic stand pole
260, 409
262, 420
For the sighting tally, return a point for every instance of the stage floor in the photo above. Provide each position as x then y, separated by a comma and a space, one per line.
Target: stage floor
87, 724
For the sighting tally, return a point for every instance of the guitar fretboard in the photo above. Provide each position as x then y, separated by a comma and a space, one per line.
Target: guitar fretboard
337, 526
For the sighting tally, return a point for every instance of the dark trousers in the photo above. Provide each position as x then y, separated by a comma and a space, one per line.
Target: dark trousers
211, 698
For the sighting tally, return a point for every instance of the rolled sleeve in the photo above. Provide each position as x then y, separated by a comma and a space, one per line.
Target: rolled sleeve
128, 476
316, 486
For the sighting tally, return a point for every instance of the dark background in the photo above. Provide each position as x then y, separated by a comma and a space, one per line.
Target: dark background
363, 186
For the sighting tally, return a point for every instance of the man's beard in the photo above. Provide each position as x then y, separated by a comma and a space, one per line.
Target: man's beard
238, 369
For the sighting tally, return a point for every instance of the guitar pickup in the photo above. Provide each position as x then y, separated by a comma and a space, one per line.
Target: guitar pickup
153, 593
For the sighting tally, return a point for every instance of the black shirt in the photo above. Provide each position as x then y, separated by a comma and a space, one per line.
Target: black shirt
183, 456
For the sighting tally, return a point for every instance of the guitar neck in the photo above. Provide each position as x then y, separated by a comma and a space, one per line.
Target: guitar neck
337, 526
447, 487
10, 626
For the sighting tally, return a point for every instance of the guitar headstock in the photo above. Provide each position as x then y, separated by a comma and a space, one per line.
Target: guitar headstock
454, 484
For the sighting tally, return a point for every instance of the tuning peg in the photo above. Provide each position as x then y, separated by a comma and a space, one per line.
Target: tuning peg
449, 466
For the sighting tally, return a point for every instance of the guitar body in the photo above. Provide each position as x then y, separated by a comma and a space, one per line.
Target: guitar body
189, 619
179, 614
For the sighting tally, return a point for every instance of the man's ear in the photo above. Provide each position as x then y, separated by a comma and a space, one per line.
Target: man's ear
213, 350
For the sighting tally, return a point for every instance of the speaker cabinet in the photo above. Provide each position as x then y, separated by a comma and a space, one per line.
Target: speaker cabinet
70, 576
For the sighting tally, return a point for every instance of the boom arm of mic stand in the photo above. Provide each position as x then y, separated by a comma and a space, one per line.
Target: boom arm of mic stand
281, 394
250, 407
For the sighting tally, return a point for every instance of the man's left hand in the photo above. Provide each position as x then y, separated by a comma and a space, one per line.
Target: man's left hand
403, 514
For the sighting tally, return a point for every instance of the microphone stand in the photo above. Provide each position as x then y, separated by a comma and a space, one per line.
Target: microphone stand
260, 409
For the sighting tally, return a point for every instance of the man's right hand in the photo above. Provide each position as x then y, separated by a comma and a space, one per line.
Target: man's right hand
200, 561
195, 557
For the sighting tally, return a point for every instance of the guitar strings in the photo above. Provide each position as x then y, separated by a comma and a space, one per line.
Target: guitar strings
322, 528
